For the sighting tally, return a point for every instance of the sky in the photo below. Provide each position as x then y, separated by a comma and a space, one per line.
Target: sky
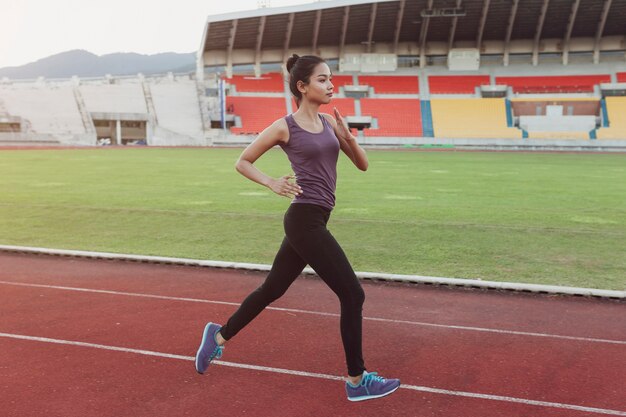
34, 29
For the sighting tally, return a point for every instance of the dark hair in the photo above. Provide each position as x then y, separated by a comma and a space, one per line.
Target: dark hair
300, 68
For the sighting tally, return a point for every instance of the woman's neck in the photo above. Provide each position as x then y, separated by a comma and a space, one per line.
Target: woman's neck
308, 111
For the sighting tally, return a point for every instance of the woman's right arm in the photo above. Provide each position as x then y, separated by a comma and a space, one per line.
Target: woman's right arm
270, 137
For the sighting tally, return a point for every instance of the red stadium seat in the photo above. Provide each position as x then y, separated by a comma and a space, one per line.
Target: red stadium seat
256, 113
391, 84
341, 80
554, 84
621, 77
344, 105
266, 83
456, 84
396, 117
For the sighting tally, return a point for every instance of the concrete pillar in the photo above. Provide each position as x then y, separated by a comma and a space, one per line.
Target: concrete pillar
149, 133
112, 132
118, 132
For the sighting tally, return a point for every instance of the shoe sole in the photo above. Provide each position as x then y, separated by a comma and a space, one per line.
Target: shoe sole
372, 397
204, 336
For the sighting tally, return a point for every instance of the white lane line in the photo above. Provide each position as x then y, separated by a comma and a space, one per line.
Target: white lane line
321, 313
318, 375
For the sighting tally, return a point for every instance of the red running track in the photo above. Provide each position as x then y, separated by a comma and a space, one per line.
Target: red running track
458, 352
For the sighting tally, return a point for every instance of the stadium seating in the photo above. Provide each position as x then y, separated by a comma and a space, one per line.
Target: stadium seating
616, 107
553, 84
256, 113
344, 105
391, 84
621, 77
46, 110
456, 84
471, 118
266, 83
396, 117
177, 107
124, 98
341, 80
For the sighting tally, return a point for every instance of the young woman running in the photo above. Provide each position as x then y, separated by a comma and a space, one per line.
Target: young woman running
312, 142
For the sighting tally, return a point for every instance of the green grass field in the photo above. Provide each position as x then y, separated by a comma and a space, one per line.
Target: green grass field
526, 217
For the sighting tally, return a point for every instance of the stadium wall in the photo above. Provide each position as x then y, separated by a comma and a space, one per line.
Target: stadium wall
178, 110
164, 110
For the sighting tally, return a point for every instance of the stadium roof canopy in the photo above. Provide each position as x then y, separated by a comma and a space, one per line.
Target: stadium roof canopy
420, 28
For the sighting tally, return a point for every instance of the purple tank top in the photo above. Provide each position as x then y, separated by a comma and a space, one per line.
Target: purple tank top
313, 158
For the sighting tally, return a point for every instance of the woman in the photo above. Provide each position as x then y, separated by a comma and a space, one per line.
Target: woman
311, 141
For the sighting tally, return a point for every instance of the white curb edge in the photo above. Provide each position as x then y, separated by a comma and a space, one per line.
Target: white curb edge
548, 289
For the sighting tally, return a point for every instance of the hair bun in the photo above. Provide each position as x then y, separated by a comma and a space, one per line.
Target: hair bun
292, 61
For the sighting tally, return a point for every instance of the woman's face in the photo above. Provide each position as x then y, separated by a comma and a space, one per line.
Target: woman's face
320, 87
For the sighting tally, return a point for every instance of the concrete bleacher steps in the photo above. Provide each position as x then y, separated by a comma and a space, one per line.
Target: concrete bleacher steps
123, 98
396, 116
178, 109
565, 135
51, 114
147, 93
557, 117
256, 113
84, 114
471, 118
456, 84
170, 109
558, 127
391, 84
554, 84
428, 130
616, 109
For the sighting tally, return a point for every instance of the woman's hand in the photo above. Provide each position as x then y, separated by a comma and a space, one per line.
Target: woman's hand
348, 142
283, 187
342, 126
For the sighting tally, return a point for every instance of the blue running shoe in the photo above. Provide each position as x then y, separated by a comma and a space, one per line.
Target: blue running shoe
371, 386
209, 349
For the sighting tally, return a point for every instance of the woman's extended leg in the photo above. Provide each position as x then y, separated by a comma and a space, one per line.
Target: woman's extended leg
286, 268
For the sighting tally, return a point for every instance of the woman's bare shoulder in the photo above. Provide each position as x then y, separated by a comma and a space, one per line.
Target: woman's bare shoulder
330, 118
280, 130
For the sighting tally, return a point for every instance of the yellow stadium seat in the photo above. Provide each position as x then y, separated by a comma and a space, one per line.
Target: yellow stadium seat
472, 118
616, 107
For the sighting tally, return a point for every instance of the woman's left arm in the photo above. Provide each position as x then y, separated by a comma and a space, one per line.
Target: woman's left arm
348, 142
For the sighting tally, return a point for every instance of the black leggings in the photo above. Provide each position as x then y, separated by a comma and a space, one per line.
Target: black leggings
308, 241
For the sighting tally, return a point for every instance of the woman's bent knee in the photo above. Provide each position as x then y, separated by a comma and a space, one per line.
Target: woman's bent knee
353, 297
359, 296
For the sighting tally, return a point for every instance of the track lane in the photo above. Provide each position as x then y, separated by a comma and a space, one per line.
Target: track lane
465, 361
457, 359
121, 385
569, 316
